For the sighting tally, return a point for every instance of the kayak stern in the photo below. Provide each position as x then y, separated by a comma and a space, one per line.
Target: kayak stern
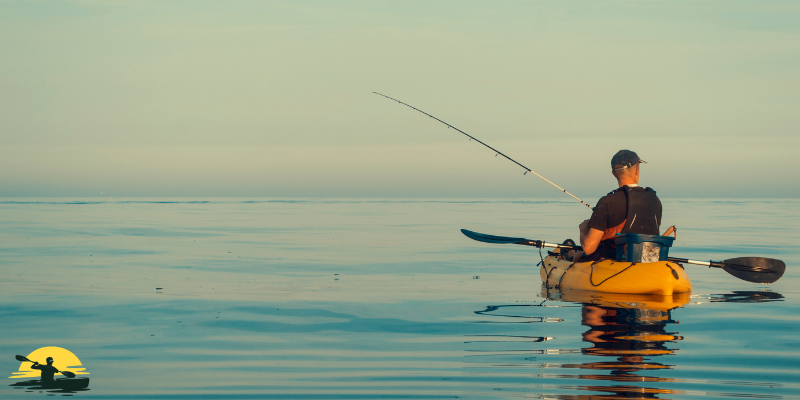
660, 278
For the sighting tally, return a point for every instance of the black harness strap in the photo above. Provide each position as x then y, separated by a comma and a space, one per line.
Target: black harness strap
642, 211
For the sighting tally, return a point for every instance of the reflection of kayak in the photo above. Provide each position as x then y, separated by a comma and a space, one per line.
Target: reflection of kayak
63, 383
618, 366
619, 300
661, 278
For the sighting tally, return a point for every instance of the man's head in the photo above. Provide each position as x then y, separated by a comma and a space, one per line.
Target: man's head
49, 360
625, 167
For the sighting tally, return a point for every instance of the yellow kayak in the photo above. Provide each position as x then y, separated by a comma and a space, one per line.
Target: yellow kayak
610, 276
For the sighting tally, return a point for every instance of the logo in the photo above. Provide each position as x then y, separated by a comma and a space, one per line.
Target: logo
54, 369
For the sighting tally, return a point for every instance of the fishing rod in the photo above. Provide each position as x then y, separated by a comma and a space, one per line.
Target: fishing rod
490, 147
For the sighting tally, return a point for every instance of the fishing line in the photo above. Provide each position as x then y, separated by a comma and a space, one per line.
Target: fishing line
490, 147
185, 188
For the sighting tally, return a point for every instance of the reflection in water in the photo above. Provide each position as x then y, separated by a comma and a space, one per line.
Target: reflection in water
738, 296
631, 329
630, 332
619, 392
627, 333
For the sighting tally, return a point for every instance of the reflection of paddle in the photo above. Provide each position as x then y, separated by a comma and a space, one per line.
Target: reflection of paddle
65, 373
751, 269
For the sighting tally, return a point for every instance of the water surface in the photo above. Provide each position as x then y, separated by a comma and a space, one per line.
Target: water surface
371, 298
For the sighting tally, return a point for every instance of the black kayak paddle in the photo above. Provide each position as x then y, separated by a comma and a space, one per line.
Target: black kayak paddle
751, 269
65, 373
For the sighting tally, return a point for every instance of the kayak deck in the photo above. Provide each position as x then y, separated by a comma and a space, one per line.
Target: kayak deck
610, 276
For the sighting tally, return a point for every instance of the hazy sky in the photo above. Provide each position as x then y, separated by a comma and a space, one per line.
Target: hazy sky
273, 98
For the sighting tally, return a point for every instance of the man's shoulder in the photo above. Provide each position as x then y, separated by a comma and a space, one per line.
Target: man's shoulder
619, 193
650, 192
645, 189
612, 196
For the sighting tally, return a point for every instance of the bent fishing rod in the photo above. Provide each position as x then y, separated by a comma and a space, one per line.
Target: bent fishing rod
490, 147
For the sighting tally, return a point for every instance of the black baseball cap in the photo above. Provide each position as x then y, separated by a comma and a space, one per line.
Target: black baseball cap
626, 159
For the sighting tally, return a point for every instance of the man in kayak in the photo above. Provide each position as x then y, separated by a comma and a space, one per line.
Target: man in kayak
628, 209
47, 370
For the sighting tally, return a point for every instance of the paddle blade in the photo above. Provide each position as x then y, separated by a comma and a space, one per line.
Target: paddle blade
21, 358
755, 269
68, 374
491, 238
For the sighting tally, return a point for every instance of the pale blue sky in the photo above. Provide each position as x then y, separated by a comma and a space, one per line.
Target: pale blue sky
151, 98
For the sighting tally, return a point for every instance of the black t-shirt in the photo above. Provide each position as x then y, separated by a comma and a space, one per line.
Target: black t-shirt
611, 210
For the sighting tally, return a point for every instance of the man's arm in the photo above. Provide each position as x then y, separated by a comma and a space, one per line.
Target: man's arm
590, 238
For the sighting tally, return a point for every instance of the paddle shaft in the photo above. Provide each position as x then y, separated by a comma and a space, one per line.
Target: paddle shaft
751, 269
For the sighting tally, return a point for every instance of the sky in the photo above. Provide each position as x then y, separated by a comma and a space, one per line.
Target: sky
274, 98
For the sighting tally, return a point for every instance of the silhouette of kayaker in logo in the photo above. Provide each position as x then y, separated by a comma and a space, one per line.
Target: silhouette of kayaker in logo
58, 360
48, 371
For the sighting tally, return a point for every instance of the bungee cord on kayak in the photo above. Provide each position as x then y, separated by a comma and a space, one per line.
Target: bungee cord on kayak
490, 147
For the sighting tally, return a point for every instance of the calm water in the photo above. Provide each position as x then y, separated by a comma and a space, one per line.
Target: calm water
381, 299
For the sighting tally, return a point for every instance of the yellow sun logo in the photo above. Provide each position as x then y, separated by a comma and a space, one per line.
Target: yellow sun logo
63, 360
